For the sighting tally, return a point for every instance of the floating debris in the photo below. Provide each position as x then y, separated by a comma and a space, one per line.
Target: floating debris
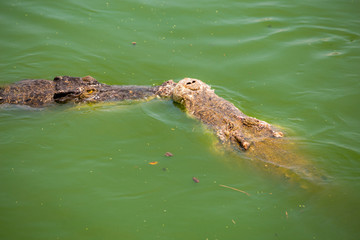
168, 154
133, 43
195, 180
234, 189
153, 163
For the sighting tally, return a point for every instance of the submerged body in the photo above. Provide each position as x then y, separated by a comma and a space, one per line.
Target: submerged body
259, 140
40, 92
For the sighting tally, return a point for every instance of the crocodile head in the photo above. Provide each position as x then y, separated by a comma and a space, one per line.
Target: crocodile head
189, 89
74, 88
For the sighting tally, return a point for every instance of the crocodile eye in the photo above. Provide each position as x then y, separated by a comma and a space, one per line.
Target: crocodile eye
90, 91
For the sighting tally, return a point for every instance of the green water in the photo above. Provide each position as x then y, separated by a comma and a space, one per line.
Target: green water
82, 172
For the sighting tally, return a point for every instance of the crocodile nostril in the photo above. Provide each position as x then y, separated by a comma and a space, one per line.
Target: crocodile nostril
188, 83
193, 81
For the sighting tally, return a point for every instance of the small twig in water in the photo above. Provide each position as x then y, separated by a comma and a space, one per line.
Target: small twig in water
234, 189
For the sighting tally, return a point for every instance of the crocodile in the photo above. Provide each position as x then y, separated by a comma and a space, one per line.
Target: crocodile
261, 142
64, 89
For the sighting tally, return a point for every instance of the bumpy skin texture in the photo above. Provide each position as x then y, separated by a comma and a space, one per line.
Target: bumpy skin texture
29, 92
230, 124
258, 139
87, 89
63, 89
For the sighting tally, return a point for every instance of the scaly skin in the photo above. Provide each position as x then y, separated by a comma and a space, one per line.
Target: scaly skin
258, 139
63, 89
38, 92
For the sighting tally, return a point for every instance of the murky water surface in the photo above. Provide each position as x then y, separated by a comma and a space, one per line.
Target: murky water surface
83, 172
